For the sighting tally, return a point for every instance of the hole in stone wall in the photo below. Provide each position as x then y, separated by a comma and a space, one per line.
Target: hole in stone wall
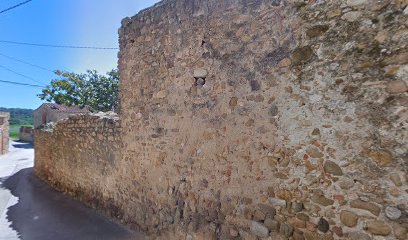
199, 81
200, 77
202, 43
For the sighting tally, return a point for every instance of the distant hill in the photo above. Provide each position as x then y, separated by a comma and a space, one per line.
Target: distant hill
19, 116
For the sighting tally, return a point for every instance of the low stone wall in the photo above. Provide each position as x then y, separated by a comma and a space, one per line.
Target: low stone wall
78, 155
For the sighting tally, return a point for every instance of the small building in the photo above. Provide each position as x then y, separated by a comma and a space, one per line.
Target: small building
4, 132
52, 112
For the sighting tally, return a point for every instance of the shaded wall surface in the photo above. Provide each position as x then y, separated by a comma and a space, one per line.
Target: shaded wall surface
43, 116
4, 132
255, 119
26, 134
50, 112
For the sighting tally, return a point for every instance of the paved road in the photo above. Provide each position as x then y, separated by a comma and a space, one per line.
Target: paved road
30, 209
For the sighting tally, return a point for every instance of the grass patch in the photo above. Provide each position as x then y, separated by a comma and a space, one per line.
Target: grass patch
15, 131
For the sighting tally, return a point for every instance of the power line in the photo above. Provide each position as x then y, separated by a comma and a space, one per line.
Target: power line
27, 63
15, 6
22, 84
58, 46
20, 74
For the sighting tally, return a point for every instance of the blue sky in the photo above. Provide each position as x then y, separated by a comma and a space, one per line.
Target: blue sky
58, 22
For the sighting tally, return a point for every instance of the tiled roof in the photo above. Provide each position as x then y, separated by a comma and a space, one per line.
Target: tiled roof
63, 108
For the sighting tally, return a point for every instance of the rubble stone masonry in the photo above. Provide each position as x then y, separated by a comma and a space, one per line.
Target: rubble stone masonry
250, 119
4, 132
78, 156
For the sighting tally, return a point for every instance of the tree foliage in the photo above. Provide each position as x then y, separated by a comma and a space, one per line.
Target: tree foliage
99, 92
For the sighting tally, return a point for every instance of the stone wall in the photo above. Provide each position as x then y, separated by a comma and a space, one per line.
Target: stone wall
246, 119
78, 155
4, 134
299, 129
26, 134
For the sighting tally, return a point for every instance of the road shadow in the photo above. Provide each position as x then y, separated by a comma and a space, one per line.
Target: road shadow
21, 144
43, 213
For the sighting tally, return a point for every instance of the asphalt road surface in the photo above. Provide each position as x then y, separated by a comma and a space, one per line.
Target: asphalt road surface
30, 209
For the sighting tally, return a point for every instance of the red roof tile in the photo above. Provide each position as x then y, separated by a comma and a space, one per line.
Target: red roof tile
63, 108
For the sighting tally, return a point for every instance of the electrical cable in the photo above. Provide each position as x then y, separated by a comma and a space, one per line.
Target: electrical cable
15, 6
58, 46
27, 63
22, 75
23, 84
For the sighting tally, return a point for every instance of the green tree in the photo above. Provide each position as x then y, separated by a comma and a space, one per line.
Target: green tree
99, 92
